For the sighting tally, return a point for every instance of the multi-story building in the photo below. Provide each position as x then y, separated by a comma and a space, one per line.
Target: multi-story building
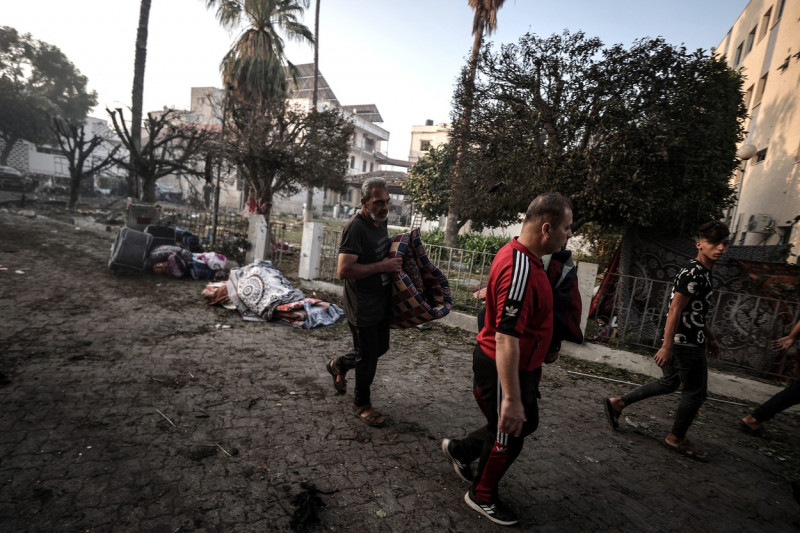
423, 138
367, 150
764, 44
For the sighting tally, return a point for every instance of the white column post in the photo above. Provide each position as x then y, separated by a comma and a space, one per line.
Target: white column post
587, 274
310, 251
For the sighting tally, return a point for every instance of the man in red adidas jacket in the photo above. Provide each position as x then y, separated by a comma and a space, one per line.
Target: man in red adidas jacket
511, 348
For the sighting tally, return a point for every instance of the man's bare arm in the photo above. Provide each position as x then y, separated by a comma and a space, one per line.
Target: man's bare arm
348, 268
512, 412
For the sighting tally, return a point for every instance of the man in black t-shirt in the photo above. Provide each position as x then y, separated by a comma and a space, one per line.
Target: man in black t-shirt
366, 269
687, 339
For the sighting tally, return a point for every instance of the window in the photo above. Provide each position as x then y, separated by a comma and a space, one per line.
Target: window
780, 9
363, 166
761, 155
762, 83
60, 166
738, 55
751, 38
785, 64
352, 162
424, 146
369, 144
371, 166
765, 23
748, 96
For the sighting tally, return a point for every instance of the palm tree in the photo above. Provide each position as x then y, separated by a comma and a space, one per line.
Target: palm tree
254, 67
484, 21
138, 89
308, 215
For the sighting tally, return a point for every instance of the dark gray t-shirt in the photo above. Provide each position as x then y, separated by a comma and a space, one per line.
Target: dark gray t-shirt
366, 300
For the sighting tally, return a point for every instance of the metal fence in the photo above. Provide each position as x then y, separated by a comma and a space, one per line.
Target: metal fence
631, 312
329, 255
231, 229
200, 223
466, 271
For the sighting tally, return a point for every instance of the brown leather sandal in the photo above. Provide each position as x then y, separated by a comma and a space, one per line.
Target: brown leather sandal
370, 419
333, 370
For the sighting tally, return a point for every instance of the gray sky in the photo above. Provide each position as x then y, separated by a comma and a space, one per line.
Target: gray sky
403, 56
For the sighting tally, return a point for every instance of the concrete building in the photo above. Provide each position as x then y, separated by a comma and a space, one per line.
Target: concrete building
367, 150
763, 43
423, 138
48, 166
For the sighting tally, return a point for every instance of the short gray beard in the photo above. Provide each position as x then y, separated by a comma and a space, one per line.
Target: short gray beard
376, 218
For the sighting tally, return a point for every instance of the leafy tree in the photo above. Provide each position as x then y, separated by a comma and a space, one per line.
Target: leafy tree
255, 70
77, 149
172, 146
284, 149
644, 136
37, 82
483, 21
254, 66
137, 93
428, 181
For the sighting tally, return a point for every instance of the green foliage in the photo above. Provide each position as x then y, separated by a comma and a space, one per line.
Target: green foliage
282, 149
254, 66
37, 83
601, 243
473, 242
644, 136
234, 246
428, 181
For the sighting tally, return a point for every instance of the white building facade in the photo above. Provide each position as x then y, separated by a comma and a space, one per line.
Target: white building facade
423, 138
367, 149
764, 44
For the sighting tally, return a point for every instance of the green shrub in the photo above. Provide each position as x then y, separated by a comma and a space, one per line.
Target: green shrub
473, 242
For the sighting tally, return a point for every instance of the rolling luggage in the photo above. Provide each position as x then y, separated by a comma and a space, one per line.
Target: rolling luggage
130, 251
161, 234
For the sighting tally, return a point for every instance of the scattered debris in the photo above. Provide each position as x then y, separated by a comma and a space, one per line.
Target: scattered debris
165, 418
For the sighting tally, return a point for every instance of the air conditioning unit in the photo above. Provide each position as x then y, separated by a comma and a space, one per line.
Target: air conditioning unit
760, 223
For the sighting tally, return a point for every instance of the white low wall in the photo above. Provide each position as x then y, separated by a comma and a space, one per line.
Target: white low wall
718, 383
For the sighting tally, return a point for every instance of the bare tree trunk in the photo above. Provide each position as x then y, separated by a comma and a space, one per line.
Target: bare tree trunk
308, 216
138, 90
74, 187
452, 226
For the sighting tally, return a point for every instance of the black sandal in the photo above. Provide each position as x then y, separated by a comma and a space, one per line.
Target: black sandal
333, 370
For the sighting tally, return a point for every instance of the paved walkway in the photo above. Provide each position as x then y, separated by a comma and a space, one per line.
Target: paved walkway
130, 405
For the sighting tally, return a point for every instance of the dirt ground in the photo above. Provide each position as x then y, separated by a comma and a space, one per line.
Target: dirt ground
130, 405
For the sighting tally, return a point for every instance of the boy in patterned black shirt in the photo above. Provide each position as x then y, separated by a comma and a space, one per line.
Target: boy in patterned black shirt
687, 340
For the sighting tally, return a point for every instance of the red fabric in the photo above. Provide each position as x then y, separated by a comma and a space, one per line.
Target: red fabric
600, 304
519, 303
